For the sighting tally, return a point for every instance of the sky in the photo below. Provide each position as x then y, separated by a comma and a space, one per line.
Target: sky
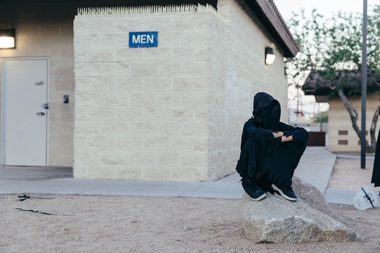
327, 8
324, 7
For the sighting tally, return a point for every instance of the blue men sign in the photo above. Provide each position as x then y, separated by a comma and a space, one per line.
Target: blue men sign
143, 39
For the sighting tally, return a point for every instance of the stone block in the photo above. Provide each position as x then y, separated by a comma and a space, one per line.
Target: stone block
144, 129
201, 144
157, 113
182, 173
161, 54
183, 113
86, 41
169, 99
169, 38
129, 24
129, 54
101, 172
196, 69
147, 158
195, 99
85, 113
101, 54
158, 23
156, 143
156, 173
195, 38
129, 84
144, 99
129, 114
128, 143
94, 84
198, 129
169, 69
101, 24
112, 40
115, 157
158, 84
113, 99
183, 23
81, 25
127, 172
193, 159
81, 55
169, 128
80, 170
88, 69
204, 21
87, 98
88, 128
90, 142
146, 69
88, 157
183, 53
115, 128
115, 69
168, 158
183, 143
201, 173
202, 53
309, 219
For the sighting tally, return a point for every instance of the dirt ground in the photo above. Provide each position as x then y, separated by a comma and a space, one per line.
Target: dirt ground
69, 223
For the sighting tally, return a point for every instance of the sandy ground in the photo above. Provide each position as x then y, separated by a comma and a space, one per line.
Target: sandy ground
55, 223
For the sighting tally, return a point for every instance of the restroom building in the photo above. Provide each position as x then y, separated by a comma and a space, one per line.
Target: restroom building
153, 90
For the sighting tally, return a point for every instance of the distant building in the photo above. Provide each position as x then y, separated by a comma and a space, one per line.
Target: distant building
341, 135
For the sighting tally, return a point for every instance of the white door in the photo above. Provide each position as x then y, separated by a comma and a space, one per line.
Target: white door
24, 116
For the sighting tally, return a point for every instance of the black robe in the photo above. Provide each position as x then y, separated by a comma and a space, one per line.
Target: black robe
376, 164
264, 157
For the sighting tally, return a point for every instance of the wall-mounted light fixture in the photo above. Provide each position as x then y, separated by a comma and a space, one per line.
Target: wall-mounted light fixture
269, 55
7, 38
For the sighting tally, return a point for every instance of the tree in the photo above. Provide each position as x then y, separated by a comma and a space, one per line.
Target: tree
331, 51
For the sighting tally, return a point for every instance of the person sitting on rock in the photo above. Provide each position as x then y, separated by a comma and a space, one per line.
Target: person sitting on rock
270, 151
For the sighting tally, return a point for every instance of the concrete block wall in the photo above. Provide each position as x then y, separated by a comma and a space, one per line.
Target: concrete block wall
342, 137
174, 112
142, 113
51, 37
238, 73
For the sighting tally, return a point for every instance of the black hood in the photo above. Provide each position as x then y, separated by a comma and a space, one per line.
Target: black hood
266, 111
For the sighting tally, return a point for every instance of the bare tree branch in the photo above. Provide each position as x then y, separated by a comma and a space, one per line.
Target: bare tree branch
373, 129
353, 114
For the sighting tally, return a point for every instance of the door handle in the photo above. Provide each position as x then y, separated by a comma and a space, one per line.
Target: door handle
40, 113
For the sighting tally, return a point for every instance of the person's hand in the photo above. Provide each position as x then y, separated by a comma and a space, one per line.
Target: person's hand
278, 134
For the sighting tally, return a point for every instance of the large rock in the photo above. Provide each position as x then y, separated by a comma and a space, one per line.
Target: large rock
309, 219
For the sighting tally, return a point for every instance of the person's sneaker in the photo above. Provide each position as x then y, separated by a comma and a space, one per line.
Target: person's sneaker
287, 193
252, 189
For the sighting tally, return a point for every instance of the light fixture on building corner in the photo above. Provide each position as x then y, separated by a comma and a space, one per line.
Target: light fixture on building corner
7, 38
269, 55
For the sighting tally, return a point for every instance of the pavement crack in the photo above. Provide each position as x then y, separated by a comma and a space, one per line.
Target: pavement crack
33, 211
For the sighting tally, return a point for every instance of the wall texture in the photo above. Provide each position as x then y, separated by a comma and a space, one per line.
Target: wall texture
238, 72
51, 36
174, 112
342, 137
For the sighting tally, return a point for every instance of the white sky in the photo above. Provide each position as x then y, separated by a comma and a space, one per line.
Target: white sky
324, 7
327, 8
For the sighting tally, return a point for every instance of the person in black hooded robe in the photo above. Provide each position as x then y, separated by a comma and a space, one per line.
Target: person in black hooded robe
376, 164
270, 151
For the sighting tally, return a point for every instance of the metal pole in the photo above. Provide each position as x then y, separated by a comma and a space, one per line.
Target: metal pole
364, 86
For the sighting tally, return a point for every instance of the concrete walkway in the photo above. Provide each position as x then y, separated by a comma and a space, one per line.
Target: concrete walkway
315, 168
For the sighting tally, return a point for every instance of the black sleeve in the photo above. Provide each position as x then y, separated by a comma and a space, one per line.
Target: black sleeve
262, 136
